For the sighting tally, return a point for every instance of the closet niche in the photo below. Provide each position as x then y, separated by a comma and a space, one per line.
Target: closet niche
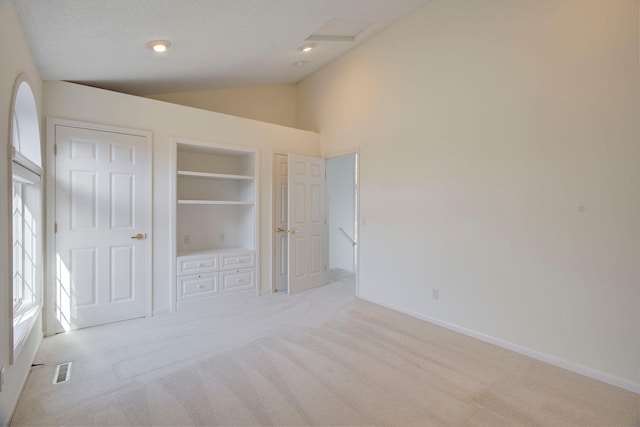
216, 221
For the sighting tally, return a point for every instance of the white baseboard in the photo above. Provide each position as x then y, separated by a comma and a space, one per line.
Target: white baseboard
543, 357
161, 312
23, 382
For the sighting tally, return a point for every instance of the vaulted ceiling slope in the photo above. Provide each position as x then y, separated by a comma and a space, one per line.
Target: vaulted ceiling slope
214, 43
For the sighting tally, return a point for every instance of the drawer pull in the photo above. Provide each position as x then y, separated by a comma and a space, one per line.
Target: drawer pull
200, 286
238, 280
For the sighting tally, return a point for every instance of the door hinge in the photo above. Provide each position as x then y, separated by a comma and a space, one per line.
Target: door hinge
12, 153
55, 227
55, 149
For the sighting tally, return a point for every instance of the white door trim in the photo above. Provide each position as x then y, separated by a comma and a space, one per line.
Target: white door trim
50, 204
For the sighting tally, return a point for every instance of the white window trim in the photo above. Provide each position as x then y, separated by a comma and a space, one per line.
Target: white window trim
24, 316
25, 171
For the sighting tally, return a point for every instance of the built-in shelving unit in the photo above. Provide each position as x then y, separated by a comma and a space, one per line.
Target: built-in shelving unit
216, 221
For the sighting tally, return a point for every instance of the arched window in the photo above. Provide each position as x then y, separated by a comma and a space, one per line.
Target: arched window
26, 210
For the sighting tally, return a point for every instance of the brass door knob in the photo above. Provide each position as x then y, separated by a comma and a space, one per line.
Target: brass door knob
280, 230
138, 236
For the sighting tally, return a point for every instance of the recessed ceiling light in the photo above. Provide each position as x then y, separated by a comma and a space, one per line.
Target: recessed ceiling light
159, 46
299, 63
307, 47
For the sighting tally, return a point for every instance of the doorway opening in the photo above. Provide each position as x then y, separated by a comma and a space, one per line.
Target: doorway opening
342, 218
340, 238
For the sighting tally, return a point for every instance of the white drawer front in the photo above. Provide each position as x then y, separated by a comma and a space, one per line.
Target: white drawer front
236, 260
197, 264
237, 280
197, 285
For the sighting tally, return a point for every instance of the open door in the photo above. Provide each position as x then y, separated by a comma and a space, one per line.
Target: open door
307, 225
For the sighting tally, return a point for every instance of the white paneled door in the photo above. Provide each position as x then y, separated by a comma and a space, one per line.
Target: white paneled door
307, 226
101, 220
281, 264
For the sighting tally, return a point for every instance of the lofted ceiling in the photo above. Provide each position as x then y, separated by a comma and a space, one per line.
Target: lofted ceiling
215, 43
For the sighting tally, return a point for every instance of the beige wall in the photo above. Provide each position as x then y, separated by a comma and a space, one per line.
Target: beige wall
271, 104
16, 60
76, 102
500, 164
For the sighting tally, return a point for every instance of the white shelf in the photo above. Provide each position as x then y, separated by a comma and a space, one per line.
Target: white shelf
214, 175
213, 251
214, 202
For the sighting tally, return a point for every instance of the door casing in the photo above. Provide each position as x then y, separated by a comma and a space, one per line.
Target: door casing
50, 264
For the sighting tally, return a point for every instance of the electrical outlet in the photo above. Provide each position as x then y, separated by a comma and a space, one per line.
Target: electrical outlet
1, 378
435, 294
186, 239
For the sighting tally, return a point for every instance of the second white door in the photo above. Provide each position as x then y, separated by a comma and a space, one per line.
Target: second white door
281, 256
307, 226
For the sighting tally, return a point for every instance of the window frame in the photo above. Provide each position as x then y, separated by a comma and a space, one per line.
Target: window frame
27, 173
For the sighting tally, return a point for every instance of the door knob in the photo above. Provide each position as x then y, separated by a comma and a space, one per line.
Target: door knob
139, 236
280, 230
293, 231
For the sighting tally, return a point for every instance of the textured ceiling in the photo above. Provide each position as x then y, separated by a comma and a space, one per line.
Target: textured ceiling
215, 43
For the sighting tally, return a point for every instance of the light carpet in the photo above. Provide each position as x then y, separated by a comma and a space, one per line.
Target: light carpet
317, 358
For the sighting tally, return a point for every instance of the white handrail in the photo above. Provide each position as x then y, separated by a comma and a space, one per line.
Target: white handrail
353, 242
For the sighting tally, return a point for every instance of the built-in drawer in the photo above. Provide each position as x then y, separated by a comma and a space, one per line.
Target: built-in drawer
197, 285
197, 264
237, 280
236, 260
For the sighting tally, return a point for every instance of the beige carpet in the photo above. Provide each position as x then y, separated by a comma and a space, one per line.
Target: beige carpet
318, 358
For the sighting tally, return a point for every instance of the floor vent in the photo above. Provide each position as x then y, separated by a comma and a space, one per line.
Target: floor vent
63, 373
